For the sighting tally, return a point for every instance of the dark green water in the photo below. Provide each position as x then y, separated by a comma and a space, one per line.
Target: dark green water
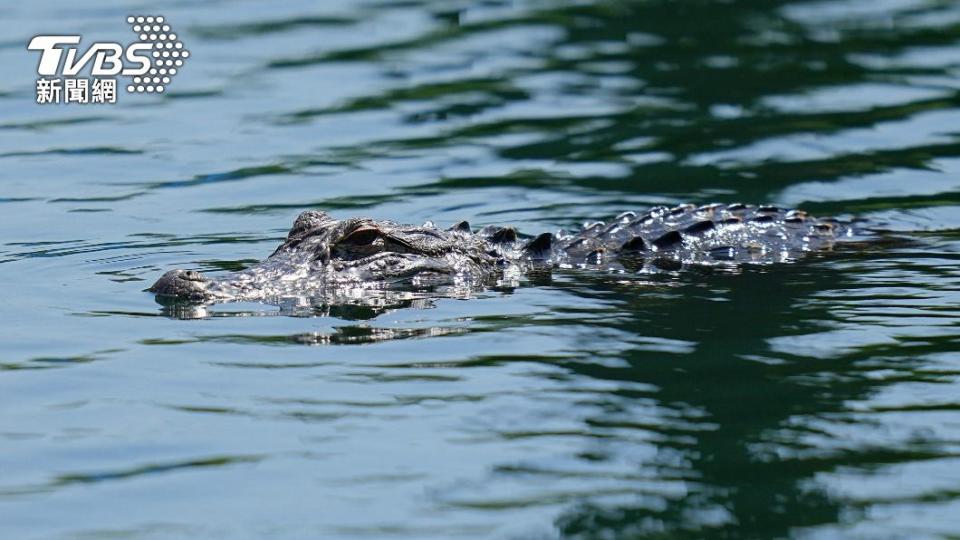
813, 400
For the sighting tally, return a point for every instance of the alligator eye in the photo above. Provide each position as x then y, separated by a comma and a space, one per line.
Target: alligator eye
361, 236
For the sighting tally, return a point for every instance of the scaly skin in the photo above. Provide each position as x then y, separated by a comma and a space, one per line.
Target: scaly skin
322, 255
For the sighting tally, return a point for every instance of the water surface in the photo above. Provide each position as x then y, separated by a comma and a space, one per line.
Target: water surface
817, 399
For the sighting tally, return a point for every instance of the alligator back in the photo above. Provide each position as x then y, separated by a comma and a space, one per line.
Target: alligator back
709, 234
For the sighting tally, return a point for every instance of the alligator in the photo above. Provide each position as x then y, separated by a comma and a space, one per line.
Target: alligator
321, 253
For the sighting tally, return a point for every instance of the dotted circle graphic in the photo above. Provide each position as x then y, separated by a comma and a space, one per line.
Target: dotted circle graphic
167, 52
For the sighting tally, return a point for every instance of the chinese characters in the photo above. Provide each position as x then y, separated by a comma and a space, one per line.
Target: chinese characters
76, 90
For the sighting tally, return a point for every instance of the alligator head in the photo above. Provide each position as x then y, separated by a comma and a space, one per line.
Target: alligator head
322, 252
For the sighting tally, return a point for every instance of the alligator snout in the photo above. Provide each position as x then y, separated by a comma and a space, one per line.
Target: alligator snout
185, 284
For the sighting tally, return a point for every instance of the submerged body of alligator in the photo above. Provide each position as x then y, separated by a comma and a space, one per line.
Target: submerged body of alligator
322, 253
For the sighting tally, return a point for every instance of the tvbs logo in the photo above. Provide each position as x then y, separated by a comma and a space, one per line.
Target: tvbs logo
151, 63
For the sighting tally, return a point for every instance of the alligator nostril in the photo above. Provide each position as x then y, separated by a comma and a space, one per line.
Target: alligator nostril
184, 284
191, 275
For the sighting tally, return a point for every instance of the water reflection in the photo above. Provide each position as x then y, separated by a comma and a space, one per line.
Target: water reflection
774, 411
342, 303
